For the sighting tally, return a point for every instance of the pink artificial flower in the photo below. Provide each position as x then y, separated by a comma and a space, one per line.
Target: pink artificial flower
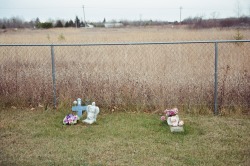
171, 112
163, 118
70, 120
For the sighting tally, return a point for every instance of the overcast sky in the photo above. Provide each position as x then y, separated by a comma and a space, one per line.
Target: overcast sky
97, 10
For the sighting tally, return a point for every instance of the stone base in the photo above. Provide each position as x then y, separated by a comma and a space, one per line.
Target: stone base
176, 128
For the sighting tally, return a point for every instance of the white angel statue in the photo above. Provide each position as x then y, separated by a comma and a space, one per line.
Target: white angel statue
92, 112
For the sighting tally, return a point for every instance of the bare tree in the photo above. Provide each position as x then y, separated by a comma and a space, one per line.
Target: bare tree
215, 15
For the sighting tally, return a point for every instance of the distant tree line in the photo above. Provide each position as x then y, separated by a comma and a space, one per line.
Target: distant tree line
17, 22
195, 22
199, 22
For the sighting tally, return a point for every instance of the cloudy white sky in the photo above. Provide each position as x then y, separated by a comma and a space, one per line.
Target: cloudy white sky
97, 10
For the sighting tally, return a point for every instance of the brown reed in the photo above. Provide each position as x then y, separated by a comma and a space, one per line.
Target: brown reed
145, 77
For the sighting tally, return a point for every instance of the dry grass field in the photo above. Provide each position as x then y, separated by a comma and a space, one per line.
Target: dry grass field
106, 35
141, 77
132, 85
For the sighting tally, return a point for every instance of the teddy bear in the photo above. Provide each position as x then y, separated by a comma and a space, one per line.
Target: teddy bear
172, 117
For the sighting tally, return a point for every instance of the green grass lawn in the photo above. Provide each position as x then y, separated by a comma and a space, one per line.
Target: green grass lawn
38, 137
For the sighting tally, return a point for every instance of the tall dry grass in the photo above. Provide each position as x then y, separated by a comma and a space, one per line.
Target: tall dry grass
145, 77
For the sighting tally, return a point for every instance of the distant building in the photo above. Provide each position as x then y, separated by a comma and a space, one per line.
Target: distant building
113, 25
90, 26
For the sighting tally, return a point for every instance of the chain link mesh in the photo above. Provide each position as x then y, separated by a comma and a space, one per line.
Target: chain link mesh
234, 76
25, 75
142, 76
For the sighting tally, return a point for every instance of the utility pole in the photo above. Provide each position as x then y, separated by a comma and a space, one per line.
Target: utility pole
76, 22
84, 16
140, 19
180, 14
238, 9
249, 10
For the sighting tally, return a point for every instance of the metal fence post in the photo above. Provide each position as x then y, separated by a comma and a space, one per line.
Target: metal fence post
216, 79
53, 75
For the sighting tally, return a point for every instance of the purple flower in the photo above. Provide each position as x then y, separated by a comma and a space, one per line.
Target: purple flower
70, 119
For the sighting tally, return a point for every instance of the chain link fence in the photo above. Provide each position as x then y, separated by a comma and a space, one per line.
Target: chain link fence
206, 75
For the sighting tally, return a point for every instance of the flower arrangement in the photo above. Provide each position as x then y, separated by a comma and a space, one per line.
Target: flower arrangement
172, 118
171, 112
70, 119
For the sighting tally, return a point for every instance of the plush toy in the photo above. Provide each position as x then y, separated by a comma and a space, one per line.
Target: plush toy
172, 117
173, 120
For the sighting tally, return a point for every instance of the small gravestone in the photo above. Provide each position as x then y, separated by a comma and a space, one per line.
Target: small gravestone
175, 124
176, 128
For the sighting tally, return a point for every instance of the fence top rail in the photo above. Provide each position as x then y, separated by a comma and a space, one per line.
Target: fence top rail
131, 43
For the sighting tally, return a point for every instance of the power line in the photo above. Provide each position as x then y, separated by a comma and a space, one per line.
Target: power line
74, 7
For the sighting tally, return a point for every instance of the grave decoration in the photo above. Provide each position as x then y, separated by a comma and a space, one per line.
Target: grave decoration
173, 120
70, 119
92, 111
78, 107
